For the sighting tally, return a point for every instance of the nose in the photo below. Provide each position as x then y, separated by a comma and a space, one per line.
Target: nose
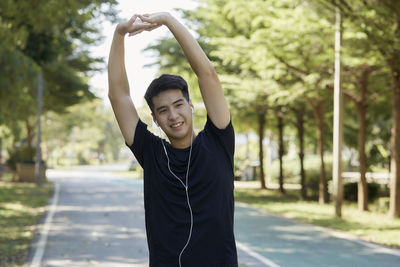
173, 115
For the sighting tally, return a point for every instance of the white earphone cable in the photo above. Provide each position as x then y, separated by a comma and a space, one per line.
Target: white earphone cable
186, 186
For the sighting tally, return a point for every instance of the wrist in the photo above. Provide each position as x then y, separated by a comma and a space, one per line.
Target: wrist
168, 18
119, 31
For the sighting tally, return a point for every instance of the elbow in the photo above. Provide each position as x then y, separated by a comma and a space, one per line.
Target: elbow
209, 71
114, 92
117, 97
111, 96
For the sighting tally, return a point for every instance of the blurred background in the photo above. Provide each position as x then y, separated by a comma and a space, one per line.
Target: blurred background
281, 64
276, 63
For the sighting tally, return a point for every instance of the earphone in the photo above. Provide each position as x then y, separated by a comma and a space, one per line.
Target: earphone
184, 184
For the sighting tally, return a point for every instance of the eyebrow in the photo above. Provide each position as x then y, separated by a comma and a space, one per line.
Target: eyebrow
177, 101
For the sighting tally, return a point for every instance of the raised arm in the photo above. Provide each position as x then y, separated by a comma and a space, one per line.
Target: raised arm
210, 87
118, 92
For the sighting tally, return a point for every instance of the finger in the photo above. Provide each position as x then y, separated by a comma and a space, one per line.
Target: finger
146, 24
147, 27
141, 26
144, 17
133, 18
135, 32
154, 27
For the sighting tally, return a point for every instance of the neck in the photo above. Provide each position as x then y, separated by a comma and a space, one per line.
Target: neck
184, 142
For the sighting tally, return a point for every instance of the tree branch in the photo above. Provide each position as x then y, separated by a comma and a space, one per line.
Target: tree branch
290, 66
347, 94
343, 6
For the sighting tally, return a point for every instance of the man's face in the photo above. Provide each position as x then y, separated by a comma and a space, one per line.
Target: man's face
173, 114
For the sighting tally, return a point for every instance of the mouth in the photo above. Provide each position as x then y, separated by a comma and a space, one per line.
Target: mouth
176, 125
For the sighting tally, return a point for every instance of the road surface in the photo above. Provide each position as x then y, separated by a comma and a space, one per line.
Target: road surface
97, 219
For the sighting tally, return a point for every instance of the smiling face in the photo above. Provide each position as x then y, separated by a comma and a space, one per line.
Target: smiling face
173, 114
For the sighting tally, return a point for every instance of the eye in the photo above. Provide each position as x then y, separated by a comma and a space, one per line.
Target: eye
162, 111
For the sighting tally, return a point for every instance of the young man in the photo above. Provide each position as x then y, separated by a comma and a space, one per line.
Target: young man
188, 181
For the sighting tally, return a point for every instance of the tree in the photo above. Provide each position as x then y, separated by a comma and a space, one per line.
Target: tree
54, 43
248, 104
85, 131
360, 77
251, 78
299, 110
362, 74
380, 22
290, 64
279, 112
308, 59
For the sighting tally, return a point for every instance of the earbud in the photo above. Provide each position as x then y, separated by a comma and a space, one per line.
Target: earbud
156, 123
192, 109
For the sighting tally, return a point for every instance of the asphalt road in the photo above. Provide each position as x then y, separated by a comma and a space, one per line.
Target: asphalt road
98, 220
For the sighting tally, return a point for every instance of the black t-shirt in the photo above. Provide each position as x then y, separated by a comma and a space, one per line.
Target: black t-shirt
167, 214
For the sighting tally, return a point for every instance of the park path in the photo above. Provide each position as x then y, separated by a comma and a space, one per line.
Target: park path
98, 220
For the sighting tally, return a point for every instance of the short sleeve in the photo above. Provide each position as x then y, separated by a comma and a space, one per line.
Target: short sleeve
226, 137
141, 142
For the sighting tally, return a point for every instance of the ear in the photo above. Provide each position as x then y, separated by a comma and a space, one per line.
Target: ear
191, 105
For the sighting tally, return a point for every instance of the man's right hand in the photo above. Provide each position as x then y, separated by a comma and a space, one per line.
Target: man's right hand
135, 26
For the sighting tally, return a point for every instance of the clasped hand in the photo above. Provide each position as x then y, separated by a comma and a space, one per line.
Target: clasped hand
140, 23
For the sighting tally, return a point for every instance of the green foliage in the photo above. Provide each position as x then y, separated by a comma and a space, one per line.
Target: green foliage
378, 20
379, 134
82, 134
254, 81
291, 172
50, 37
350, 191
271, 54
20, 154
171, 59
17, 83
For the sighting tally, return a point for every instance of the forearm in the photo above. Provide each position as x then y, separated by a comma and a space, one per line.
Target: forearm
198, 60
117, 79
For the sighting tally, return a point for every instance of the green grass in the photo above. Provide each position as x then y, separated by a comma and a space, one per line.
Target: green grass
21, 206
370, 226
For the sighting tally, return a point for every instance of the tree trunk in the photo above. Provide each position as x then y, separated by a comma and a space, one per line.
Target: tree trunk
1, 149
318, 111
29, 133
261, 125
395, 150
300, 131
362, 193
361, 105
281, 151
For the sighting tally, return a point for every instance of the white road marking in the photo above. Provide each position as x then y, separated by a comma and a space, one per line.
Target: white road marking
346, 236
37, 259
254, 254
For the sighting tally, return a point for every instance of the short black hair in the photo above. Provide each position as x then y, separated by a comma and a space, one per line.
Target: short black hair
163, 83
